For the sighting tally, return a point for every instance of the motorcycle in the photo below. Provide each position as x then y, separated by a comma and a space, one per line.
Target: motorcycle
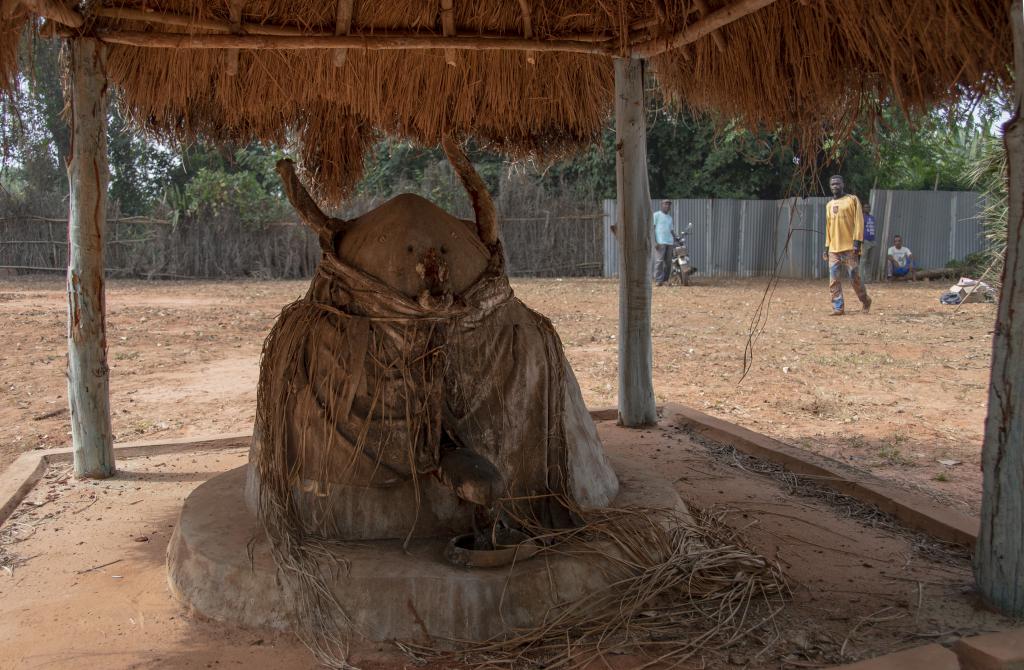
681, 268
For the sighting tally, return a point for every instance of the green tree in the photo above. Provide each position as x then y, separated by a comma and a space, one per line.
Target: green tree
988, 175
218, 183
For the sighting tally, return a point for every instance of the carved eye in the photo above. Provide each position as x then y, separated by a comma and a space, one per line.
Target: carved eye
444, 250
409, 249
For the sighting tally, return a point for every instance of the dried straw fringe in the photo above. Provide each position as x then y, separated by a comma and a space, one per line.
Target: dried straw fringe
817, 69
305, 561
680, 585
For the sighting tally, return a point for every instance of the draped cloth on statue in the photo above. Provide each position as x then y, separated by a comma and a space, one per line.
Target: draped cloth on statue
362, 387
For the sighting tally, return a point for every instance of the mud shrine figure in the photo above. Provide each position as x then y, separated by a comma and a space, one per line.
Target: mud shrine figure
844, 235
410, 391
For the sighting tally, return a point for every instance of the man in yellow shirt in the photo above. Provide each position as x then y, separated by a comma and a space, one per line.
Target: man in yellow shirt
844, 235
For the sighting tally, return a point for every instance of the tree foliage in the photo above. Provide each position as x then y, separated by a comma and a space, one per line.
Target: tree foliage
989, 176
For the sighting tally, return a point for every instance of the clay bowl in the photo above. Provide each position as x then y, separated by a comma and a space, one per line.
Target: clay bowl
510, 546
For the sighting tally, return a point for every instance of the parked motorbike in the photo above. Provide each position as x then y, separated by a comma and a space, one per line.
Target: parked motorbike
681, 267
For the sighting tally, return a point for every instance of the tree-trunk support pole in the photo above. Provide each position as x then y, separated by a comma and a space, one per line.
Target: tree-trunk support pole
999, 558
636, 390
88, 174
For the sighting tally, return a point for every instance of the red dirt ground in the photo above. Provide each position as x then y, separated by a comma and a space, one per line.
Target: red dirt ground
892, 392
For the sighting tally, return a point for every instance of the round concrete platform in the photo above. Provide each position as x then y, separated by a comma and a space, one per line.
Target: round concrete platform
388, 593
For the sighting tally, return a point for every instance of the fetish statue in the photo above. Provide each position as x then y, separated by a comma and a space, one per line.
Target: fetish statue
410, 389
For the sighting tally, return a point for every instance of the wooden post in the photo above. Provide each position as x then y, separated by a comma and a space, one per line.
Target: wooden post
342, 26
235, 13
88, 174
524, 9
448, 27
633, 215
999, 555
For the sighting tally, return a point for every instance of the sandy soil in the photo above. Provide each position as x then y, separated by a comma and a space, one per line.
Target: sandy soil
892, 392
89, 586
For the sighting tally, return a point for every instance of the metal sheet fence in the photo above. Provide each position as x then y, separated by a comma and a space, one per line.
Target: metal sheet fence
744, 238
937, 226
729, 238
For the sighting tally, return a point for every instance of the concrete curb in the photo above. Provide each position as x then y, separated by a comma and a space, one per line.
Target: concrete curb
26, 471
994, 651
914, 510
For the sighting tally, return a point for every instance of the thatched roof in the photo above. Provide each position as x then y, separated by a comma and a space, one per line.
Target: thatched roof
529, 77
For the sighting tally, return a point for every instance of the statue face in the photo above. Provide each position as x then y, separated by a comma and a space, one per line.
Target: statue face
414, 246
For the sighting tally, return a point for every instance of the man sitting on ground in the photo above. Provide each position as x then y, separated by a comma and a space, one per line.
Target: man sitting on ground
900, 261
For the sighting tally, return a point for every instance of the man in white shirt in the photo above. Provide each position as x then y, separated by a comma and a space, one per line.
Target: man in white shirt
900, 262
663, 242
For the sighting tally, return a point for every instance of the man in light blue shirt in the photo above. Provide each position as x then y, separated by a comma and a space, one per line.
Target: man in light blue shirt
663, 242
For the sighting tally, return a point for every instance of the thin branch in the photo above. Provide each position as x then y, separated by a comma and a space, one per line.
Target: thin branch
8, 7
195, 23
320, 41
49, 9
224, 27
699, 29
702, 5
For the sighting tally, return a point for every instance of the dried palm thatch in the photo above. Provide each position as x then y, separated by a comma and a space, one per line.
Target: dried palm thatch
10, 32
809, 66
816, 68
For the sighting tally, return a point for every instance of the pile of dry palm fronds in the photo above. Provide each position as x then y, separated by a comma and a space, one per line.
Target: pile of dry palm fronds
680, 585
11, 533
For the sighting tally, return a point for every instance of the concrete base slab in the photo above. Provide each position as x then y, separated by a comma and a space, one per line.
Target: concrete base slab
994, 651
928, 657
913, 509
388, 593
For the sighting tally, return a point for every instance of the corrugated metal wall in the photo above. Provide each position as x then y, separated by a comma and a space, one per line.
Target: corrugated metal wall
801, 223
747, 238
937, 226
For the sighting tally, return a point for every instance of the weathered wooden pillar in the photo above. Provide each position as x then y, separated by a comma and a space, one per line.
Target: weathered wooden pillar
88, 174
999, 556
633, 215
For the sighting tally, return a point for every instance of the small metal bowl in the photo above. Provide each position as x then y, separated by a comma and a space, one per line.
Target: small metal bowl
512, 546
